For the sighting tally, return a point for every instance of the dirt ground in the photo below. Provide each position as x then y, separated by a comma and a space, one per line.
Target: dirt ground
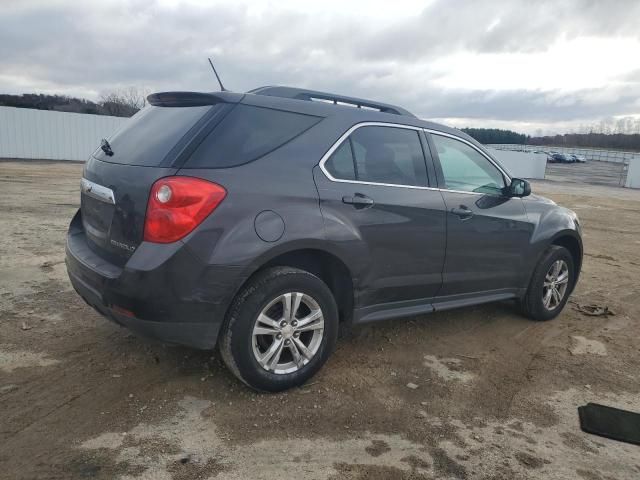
496, 394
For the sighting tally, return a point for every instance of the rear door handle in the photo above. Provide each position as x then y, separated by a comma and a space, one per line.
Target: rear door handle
358, 201
463, 212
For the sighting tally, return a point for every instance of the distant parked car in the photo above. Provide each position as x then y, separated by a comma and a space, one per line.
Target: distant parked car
560, 158
578, 158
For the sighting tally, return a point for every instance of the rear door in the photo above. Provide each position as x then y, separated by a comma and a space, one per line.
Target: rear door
487, 232
378, 205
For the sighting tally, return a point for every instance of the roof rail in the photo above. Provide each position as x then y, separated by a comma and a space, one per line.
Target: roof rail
315, 96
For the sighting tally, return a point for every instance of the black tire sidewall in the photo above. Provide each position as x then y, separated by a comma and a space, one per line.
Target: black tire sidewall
246, 313
535, 305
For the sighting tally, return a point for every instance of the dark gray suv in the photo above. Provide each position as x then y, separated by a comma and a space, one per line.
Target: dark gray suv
260, 221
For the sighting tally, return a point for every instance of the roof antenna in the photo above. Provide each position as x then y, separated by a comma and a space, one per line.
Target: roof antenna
216, 73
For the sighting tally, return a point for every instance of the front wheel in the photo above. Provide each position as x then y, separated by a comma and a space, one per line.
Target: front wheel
550, 286
280, 330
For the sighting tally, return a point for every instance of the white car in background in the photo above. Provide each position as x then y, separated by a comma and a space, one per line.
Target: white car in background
577, 158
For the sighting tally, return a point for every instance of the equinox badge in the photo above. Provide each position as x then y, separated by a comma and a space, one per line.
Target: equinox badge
128, 248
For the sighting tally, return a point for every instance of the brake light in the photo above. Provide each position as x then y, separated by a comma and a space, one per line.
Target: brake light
177, 205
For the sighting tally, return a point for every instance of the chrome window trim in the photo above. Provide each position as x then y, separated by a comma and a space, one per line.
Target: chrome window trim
507, 177
346, 134
97, 191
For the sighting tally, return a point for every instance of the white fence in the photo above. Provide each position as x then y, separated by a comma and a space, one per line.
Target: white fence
633, 174
45, 134
522, 164
598, 154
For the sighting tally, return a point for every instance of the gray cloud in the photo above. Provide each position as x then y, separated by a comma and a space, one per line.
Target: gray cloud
532, 106
522, 26
86, 48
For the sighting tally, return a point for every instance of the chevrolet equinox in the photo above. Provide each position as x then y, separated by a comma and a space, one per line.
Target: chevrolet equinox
259, 222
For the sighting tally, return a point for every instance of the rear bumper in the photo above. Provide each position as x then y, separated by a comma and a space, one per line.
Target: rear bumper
164, 292
196, 335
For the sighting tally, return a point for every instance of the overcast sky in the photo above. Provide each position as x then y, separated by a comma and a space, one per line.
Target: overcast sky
520, 64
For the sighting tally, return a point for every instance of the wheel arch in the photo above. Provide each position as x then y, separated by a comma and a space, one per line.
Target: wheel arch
571, 241
564, 237
327, 265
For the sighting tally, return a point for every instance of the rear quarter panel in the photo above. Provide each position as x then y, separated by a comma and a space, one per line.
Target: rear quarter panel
280, 182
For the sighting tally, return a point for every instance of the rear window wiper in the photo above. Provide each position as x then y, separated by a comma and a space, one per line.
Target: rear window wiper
106, 148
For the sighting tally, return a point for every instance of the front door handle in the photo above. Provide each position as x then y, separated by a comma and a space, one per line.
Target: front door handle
358, 201
463, 212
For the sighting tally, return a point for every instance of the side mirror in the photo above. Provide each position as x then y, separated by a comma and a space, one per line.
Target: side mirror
519, 188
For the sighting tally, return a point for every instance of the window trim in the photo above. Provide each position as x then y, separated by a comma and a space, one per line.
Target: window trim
435, 158
346, 135
505, 175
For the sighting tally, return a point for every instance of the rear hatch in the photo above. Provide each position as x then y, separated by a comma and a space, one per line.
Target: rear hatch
151, 145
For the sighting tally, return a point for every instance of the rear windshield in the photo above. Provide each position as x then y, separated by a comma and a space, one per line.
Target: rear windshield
248, 133
147, 137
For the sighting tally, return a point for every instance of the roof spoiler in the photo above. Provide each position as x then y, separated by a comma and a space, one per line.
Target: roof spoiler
315, 96
192, 99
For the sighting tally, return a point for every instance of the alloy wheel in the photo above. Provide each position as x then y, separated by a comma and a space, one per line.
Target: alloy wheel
555, 284
288, 333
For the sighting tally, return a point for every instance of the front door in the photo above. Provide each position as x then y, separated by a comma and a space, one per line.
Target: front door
377, 206
487, 232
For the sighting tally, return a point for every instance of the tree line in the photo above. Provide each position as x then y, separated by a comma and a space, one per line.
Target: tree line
610, 139
118, 103
495, 135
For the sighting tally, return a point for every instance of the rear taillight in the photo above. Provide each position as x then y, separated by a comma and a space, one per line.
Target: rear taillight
177, 205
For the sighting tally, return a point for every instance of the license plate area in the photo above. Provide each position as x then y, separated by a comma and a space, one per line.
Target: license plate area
98, 205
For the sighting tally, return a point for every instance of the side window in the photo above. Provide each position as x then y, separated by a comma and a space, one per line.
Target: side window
465, 169
246, 134
389, 155
340, 163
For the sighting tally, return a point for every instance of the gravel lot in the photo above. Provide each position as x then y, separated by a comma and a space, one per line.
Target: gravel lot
496, 394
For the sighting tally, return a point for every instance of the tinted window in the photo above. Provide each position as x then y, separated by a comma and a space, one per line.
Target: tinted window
147, 137
340, 163
246, 134
465, 169
388, 155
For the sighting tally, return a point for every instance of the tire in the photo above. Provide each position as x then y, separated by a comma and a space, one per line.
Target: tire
532, 304
266, 295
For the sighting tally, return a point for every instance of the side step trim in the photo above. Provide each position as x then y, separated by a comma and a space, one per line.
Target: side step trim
409, 308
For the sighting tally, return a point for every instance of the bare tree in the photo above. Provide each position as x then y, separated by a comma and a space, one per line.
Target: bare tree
123, 102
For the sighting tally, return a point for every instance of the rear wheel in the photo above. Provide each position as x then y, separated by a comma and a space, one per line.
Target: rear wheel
280, 330
550, 286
